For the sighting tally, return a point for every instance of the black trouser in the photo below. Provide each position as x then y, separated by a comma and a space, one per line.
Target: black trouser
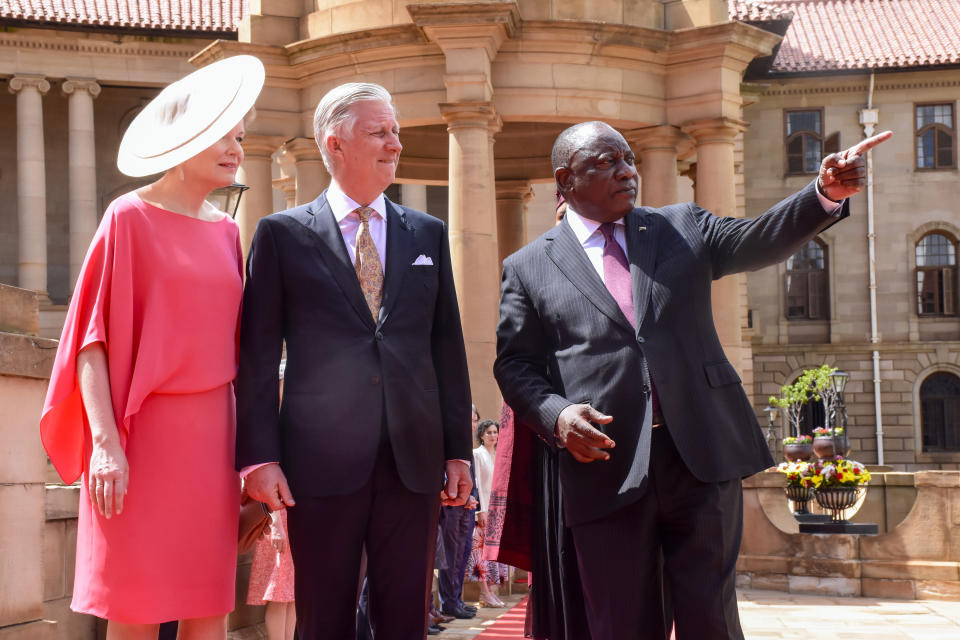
698, 526
327, 535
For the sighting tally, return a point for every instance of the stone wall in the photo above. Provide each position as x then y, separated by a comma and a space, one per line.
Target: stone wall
915, 556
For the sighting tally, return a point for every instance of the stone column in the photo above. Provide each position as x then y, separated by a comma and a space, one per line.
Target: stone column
512, 199
414, 196
473, 239
256, 173
716, 192
656, 148
312, 176
83, 169
31, 182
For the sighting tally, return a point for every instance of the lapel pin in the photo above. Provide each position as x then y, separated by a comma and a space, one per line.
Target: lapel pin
641, 228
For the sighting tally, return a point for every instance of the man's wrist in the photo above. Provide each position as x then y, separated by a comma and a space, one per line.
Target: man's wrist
819, 187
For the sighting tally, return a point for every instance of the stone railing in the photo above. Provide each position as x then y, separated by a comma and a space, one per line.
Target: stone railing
915, 556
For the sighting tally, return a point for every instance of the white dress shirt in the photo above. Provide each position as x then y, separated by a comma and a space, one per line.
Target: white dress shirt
343, 207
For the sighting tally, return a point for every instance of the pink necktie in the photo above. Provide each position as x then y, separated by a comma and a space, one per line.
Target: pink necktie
616, 275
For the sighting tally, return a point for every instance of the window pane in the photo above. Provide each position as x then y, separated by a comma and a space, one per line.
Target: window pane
944, 149
940, 412
803, 121
809, 257
796, 288
928, 292
925, 150
924, 115
795, 155
936, 250
811, 156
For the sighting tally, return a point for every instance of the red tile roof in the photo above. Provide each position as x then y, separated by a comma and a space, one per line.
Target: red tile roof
839, 35
159, 15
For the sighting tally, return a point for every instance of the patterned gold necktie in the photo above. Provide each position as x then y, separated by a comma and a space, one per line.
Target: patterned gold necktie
367, 263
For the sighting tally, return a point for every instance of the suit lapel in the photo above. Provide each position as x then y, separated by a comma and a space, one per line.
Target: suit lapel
569, 256
641, 231
334, 253
401, 249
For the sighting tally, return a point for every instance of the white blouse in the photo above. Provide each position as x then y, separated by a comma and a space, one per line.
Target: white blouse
483, 468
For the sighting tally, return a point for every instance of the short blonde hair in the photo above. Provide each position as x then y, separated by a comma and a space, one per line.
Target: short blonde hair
335, 110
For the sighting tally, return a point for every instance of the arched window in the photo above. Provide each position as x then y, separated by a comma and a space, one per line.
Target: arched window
936, 275
804, 140
805, 283
940, 412
934, 136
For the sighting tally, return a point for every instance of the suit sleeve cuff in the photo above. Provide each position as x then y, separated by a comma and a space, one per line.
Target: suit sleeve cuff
253, 467
830, 207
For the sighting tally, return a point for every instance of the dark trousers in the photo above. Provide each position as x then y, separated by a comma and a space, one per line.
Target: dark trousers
698, 527
327, 536
457, 532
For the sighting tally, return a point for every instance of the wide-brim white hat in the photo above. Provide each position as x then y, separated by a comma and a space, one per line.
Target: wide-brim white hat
190, 115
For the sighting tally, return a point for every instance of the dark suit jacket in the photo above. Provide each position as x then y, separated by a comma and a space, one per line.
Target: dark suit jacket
347, 377
562, 339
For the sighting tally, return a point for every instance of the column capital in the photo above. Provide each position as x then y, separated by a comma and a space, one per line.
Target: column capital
303, 149
472, 114
714, 130
663, 136
286, 184
76, 85
514, 190
467, 26
24, 80
256, 144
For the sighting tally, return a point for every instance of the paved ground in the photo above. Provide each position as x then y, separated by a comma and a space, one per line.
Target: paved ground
772, 615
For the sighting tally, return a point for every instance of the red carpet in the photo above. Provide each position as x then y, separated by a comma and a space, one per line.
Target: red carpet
508, 626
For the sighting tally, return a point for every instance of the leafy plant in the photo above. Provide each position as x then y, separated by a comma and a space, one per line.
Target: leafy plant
813, 384
797, 440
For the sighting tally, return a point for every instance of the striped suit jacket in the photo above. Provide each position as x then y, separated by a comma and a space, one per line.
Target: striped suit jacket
562, 339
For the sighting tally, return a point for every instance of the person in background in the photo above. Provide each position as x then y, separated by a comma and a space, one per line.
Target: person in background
487, 573
141, 394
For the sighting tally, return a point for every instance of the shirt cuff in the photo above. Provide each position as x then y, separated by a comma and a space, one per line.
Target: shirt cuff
253, 467
466, 462
829, 206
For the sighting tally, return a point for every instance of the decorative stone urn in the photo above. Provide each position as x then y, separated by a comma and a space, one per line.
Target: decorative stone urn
836, 500
830, 446
796, 452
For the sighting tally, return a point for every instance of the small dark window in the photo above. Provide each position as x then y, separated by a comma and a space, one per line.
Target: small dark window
940, 412
936, 275
805, 283
804, 140
935, 135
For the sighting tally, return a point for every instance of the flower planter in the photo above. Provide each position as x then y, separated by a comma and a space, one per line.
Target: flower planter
836, 500
829, 446
800, 497
794, 452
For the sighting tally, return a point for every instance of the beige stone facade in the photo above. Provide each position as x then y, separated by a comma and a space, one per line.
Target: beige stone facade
908, 203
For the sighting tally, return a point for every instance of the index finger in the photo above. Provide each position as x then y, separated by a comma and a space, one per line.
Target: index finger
865, 145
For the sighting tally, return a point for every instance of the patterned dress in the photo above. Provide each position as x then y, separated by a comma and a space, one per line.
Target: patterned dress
478, 568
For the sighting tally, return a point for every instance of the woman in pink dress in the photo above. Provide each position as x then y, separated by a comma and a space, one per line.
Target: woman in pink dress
141, 398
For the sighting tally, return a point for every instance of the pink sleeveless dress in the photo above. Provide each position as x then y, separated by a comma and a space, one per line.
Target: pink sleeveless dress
162, 292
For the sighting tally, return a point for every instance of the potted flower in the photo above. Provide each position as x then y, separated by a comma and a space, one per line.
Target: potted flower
839, 483
829, 443
797, 448
799, 483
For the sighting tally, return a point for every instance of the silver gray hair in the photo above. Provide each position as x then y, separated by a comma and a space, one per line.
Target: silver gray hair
335, 110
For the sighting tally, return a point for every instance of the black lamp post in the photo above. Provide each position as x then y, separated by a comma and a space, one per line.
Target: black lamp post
838, 380
227, 199
772, 436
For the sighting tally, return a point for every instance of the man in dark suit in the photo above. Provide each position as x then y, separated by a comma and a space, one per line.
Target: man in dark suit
376, 404
606, 346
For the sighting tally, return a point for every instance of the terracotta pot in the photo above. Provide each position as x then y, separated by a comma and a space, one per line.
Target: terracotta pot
829, 446
800, 497
794, 452
835, 500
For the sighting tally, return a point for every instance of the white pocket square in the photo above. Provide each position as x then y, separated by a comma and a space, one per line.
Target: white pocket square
423, 261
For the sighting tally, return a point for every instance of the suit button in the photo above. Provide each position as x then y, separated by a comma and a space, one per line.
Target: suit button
379, 335
375, 380
640, 340
645, 388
